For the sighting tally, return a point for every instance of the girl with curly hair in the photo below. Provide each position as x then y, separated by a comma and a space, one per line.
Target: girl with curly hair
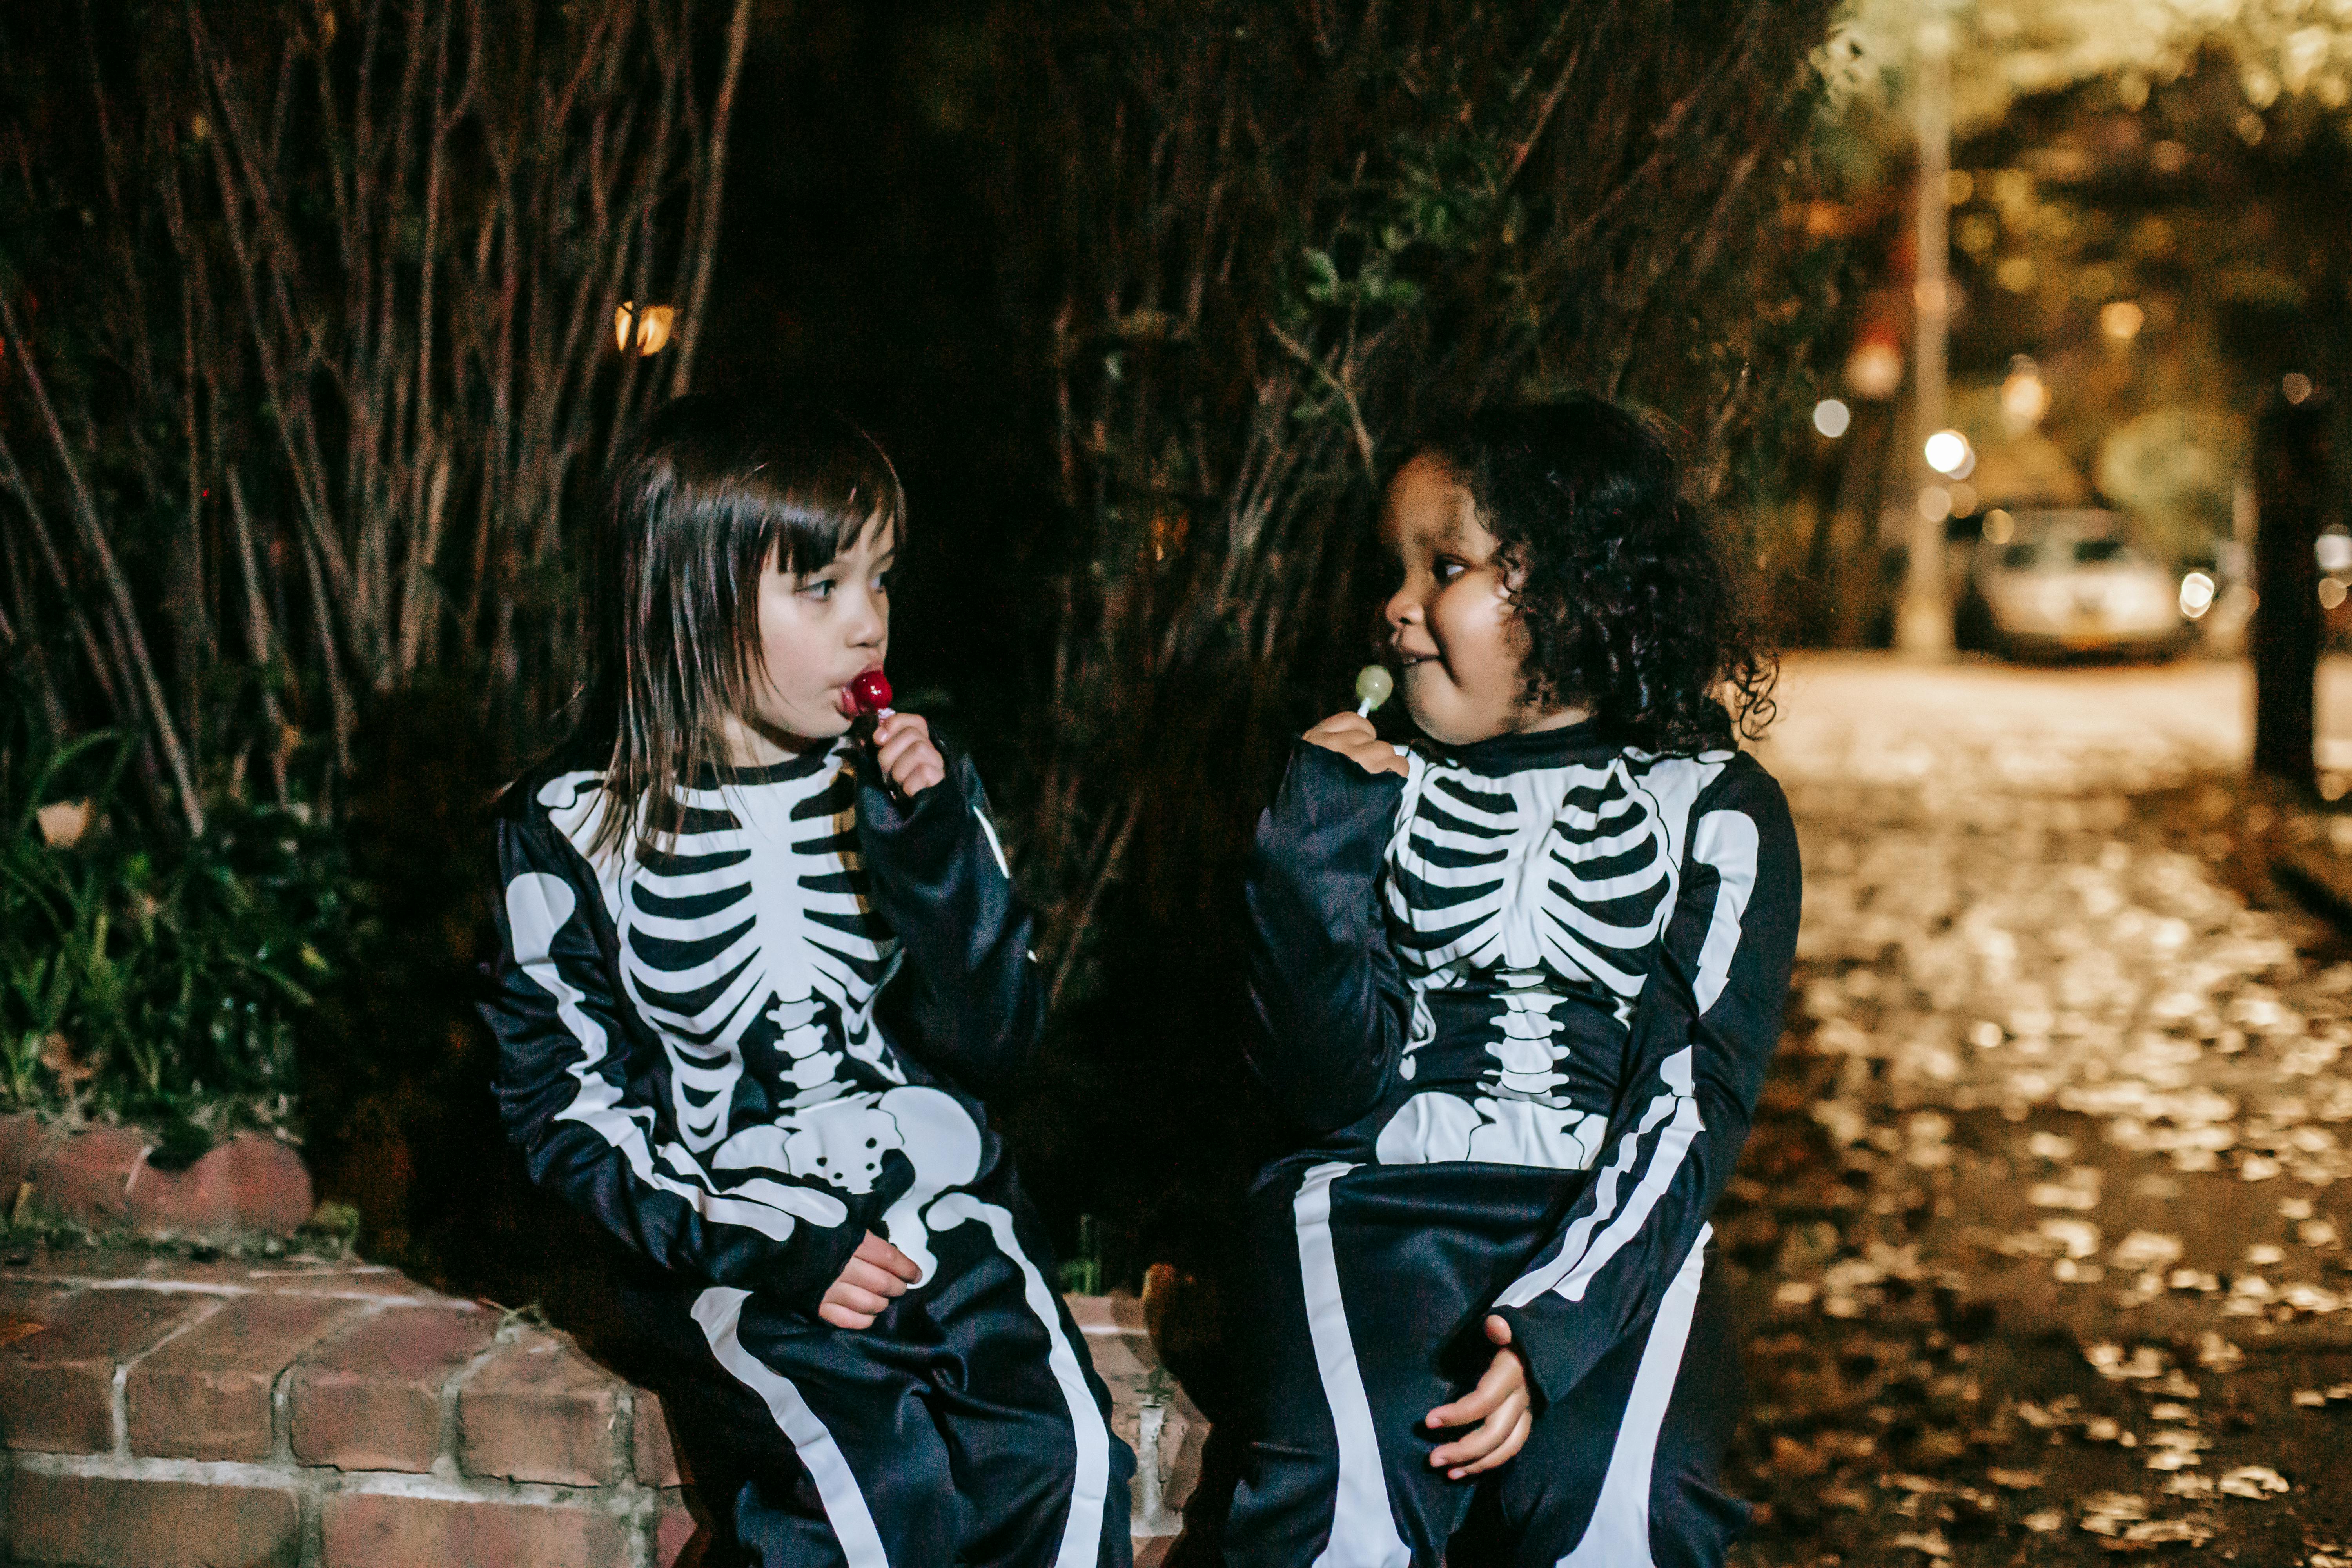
1519, 982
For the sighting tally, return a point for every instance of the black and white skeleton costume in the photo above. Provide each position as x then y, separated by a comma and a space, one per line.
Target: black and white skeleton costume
743, 1051
1524, 997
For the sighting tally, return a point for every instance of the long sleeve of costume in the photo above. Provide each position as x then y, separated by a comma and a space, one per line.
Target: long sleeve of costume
578, 1091
1702, 1034
1330, 1001
969, 999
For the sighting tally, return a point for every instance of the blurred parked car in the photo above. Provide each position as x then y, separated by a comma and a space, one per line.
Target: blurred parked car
2075, 581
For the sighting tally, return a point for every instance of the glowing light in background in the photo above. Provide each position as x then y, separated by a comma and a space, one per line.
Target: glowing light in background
2331, 593
2024, 395
2121, 320
1964, 500
1999, 528
1948, 453
1831, 417
652, 326
2295, 386
2334, 550
1935, 503
1874, 370
2196, 595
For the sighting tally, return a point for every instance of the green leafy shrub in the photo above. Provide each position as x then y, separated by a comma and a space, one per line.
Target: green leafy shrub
153, 976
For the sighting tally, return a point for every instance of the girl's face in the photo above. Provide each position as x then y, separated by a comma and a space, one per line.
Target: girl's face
818, 631
1453, 626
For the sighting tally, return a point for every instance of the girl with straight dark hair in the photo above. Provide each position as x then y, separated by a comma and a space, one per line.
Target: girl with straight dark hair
761, 953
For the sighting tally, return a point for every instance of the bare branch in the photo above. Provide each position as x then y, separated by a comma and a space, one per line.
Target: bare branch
135, 661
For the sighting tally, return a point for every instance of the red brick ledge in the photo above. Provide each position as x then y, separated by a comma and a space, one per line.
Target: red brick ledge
167, 1414
100, 1177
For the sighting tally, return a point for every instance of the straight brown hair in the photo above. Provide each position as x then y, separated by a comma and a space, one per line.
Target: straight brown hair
713, 492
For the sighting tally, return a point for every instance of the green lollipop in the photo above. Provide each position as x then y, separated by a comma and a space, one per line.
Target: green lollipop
1374, 684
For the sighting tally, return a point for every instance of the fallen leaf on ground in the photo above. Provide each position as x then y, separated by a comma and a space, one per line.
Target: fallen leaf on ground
2145, 1249
2215, 1353
2255, 1482
2166, 1532
2106, 1513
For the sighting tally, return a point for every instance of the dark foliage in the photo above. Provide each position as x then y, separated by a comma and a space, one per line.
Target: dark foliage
1255, 241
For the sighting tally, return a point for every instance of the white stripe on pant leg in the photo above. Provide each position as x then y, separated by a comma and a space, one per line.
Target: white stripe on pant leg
1363, 1530
1082, 1532
719, 1310
1618, 1535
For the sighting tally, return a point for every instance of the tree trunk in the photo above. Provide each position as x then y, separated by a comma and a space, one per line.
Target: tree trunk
2291, 478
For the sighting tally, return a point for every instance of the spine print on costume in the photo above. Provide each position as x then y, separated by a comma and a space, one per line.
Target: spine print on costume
1507, 895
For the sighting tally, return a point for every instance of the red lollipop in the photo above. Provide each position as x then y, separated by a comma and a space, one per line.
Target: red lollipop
871, 692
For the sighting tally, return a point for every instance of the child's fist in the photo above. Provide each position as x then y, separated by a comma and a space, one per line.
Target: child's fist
1352, 735
1499, 1405
876, 1272
902, 744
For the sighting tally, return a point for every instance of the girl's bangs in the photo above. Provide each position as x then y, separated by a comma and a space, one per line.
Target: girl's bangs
805, 529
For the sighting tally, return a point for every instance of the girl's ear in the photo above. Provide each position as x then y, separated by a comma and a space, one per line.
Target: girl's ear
1514, 572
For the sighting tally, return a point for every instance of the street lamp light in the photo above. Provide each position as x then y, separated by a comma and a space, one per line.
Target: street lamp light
1949, 453
2024, 395
650, 327
1874, 370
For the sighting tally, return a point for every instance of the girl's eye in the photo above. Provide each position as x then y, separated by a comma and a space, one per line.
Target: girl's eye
1447, 569
822, 588
884, 582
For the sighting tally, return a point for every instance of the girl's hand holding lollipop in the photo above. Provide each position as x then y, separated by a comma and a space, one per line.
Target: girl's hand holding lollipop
902, 741
1351, 734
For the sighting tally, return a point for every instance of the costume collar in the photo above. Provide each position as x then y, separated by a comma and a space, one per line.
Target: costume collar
1521, 751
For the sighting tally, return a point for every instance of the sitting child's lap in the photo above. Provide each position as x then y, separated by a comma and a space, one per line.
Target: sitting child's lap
970, 1399
1377, 1280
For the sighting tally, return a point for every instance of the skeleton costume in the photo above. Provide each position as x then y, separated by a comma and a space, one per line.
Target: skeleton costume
743, 1050
1524, 997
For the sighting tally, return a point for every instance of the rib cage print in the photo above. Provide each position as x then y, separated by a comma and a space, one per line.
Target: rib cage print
750, 929
1568, 870
1529, 896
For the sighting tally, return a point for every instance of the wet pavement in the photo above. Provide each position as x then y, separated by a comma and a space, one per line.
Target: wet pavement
2040, 1241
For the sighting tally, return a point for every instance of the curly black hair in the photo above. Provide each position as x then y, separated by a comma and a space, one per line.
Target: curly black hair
1628, 600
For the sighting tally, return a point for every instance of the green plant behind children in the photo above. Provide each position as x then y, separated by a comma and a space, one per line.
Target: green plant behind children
153, 979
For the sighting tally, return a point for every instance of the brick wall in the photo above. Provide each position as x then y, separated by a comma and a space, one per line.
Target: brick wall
165, 1414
